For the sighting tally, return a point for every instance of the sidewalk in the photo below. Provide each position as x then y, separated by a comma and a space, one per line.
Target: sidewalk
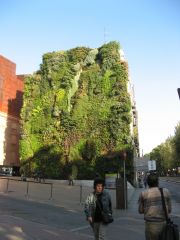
58, 194
128, 224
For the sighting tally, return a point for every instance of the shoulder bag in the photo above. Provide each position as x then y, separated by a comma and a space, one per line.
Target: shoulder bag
106, 216
170, 231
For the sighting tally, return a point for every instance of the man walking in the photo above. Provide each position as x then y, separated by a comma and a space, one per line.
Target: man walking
150, 204
96, 202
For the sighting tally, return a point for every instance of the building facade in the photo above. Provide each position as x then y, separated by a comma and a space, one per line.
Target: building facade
11, 99
134, 113
11, 94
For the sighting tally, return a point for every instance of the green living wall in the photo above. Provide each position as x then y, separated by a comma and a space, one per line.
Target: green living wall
76, 113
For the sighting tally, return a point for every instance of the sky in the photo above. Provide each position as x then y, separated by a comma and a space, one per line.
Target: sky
147, 30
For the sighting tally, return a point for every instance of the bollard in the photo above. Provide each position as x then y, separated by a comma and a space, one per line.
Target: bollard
27, 190
80, 194
7, 185
51, 191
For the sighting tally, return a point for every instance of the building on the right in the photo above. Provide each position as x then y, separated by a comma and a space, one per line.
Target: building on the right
134, 113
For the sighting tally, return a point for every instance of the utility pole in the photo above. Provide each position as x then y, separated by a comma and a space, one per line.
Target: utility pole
125, 183
178, 90
121, 185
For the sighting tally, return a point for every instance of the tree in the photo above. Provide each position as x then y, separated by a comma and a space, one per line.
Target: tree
176, 142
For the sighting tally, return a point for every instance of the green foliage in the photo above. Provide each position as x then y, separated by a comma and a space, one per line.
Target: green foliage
91, 57
89, 150
30, 145
167, 154
107, 83
78, 104
78, 55
176, 144
109, 55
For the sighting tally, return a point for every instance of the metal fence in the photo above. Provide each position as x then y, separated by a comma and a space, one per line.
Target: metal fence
54, 192
19, 188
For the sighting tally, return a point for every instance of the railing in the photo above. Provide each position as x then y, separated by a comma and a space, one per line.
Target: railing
28, 185
59, 193
54, 191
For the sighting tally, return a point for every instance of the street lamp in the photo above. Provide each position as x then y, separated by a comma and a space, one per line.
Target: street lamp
178, 90
121, 185
124, 170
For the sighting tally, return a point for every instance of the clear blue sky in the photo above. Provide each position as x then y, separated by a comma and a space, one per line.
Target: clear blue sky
148, 31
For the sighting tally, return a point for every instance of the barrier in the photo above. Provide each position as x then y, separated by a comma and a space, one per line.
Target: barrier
80, 194
27, 195
59, 192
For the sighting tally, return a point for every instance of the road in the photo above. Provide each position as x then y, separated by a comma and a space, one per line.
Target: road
174, 188
173, 185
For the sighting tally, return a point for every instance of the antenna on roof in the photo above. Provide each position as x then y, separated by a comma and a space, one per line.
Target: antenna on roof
105, 35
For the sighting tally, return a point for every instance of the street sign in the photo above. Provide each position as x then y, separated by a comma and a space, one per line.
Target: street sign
152, 165
111, 180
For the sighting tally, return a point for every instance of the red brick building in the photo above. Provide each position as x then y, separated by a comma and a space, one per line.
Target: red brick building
11, 92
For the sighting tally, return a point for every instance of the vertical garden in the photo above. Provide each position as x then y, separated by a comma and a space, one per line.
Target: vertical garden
76, 114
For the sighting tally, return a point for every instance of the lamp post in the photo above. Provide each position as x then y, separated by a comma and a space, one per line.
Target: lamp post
121, 186
124, 170
178, 90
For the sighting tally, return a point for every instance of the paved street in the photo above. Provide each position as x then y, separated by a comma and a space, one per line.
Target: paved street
28, 219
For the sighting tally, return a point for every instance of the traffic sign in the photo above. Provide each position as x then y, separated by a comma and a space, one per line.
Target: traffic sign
152, 165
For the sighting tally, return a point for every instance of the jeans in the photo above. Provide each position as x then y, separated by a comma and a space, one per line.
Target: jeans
153, 230
99, 230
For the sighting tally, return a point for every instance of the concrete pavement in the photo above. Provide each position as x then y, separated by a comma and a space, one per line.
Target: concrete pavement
128, 224
14, 228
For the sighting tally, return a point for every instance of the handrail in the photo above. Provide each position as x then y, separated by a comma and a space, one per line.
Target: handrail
27, 189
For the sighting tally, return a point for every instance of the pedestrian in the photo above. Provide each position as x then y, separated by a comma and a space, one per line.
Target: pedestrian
150, 204
140, 182
96, 202
145, 181
71, 180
